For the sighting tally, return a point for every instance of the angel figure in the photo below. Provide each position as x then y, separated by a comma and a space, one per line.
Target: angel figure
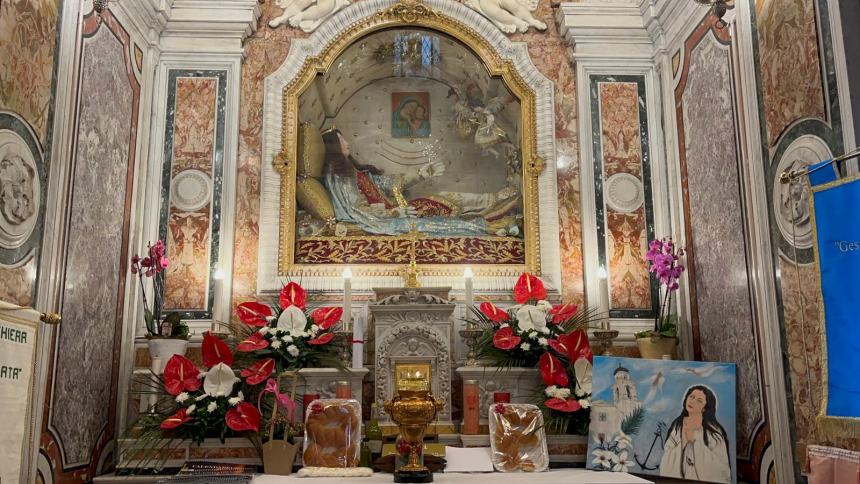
509, 15
306, 14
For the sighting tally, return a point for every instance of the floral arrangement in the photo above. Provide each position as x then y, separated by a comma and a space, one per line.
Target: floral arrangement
664, 262
152, 266
288, 336
615, 453
535, 332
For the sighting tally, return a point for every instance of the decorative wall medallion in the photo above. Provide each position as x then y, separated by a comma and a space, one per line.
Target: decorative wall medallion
190, 190
306, 14
509, 15
624, 193
791, 202
20, 190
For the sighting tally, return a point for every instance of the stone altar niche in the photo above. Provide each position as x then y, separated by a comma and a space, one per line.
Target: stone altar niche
413, 326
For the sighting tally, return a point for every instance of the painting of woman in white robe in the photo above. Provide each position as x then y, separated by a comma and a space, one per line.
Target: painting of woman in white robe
697, 444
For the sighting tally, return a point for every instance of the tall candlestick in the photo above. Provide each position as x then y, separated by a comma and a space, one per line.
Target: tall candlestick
470, 290
357, 330
217, 287
603, 290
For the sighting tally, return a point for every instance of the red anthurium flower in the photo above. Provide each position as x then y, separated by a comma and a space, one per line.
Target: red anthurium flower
562, 312
180, 375
495, 314
559, 345
259, 371
293, 295
323, 339
254, 313
215, 351
505, 339
552, 371
244, 416
529, 286
568, 406
175, 420
325, 318
252, 343
577, 345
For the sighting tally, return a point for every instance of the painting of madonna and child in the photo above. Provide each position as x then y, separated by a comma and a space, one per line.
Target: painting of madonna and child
663, 418
428, 147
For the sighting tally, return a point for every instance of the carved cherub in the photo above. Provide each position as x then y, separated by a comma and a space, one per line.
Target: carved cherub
509, 15
306, 14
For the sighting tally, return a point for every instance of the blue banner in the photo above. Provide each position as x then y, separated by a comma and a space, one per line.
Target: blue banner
836, 208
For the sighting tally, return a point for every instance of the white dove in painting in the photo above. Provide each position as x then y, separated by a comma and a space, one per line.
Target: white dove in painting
306, 14
509, 15
656, 382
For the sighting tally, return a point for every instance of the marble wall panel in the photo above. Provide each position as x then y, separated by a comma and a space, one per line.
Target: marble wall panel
721, 293
189, 220
267, 48
622, 169
28, 32
791, 82
83, 387
16, 281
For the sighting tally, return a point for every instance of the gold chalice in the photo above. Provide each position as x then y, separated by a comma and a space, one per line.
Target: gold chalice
412, 411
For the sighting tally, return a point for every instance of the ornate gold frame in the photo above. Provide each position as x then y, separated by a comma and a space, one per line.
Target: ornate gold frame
408, 13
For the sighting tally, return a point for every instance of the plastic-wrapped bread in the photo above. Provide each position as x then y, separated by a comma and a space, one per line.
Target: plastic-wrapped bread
517, 438
332, 433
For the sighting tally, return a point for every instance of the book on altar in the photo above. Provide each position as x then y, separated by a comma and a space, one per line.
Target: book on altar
468, 459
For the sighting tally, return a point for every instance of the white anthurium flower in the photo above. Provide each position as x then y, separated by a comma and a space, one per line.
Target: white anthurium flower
292, 320
582, 368
544, 306
530, 318
219, 381
624, 463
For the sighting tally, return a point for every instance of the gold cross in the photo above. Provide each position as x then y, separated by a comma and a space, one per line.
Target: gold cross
410, 273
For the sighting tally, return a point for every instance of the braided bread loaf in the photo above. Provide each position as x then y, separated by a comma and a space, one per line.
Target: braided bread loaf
332, 433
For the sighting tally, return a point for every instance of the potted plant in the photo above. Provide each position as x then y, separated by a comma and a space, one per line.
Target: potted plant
664, 263
168, 336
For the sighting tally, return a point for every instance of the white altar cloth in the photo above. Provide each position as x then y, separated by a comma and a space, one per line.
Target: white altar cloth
556, 476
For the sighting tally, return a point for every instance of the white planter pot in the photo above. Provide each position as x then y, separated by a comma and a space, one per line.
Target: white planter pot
164, 348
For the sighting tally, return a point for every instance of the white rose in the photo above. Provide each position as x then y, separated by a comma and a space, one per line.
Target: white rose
190, 409
584, 403
525, 346
212, 406
292, 320
182, 397
544, 306
542, 341
293, 350
276, 344
219, 381
530, 318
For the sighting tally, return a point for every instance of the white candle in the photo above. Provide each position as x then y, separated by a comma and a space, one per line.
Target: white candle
357, 330
218, 285
470, 290
603, 291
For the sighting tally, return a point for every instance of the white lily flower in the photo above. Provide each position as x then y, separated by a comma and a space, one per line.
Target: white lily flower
293, 350
190, 409
212, 406
292, 320
182, 397
602, 458
530, 318
525, 346
276, 344
623, 464
219, 381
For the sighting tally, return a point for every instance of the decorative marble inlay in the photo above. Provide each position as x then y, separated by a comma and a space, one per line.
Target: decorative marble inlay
790, 62
192, 171
20, 190
28, 32
17, 280
96, 261
622, 165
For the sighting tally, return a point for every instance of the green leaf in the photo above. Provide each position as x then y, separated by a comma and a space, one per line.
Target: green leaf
147, 317
633, 422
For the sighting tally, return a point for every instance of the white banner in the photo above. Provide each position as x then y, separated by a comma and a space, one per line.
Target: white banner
17, 363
